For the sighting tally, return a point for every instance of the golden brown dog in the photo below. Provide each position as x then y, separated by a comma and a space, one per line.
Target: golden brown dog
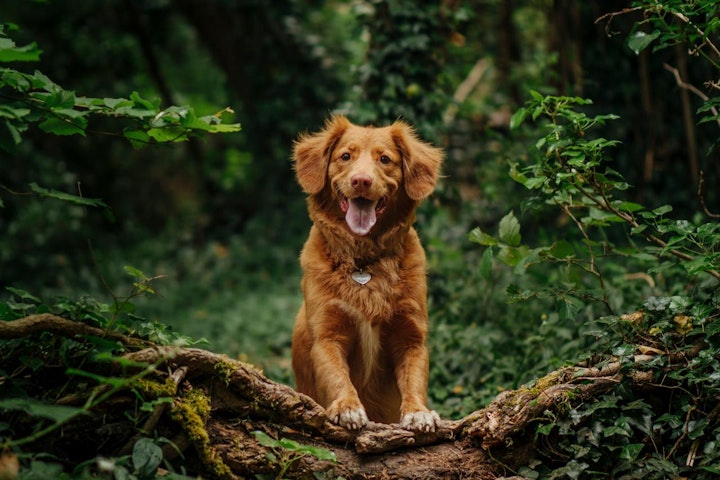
359, 342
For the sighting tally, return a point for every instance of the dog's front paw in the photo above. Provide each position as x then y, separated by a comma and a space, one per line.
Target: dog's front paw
352, 417
421, 421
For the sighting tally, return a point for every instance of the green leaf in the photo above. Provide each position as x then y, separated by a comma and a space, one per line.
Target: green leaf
545, 429
639, 41
662, 210
516, 294
9, 137
486, 264
138, 138
60, 99
537, 95
35, 408
168, 134
146, 457
62, 127
518, 118
639, 229
476, 235
67, 197
509, 230
516, 174
288, 444
225, 128
11, 53
631, 451
318, 452
146, 104
570, 306
265, 440
137, 273
24, 295
696, 428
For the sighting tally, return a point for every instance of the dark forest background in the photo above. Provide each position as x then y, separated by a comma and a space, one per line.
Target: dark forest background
223, 217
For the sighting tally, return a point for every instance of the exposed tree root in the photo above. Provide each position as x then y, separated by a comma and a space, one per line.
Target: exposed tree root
217, 404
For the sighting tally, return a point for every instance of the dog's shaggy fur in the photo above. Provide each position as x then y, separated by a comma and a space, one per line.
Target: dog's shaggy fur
359, 341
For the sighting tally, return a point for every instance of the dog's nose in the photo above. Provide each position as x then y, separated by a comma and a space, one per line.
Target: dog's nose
361, 182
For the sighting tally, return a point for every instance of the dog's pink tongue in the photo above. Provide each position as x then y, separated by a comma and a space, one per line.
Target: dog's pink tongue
360, 215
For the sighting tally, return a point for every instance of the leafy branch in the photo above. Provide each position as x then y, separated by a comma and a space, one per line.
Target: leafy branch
29, 99
573, 174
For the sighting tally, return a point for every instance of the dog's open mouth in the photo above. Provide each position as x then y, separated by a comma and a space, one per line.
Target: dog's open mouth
361, 213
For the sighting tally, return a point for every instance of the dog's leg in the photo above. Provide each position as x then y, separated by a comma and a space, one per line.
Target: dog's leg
411, 372
329, 357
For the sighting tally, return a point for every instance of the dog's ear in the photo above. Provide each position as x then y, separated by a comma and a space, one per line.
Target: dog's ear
421, 161
312, 153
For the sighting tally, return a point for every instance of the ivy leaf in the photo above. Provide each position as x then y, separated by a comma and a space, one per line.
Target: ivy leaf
146, 457
631, 451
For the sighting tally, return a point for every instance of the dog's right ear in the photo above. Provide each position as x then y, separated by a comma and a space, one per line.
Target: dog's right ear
312, 153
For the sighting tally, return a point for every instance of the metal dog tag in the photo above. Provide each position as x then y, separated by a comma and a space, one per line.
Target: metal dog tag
361, 277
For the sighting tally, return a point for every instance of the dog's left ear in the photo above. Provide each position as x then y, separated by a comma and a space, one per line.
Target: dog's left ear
421, 161
312, 154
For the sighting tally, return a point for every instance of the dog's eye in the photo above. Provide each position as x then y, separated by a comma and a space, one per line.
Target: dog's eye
384, 159
345, 156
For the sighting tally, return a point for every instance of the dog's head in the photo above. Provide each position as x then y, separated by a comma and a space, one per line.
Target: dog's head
366, 170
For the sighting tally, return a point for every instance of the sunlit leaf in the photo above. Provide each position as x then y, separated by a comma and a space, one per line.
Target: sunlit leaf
518, 118
476, 235
11, 53
639, 40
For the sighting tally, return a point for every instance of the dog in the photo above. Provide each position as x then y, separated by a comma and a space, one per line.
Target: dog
359, 342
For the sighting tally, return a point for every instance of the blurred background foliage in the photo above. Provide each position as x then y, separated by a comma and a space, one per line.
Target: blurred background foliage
223, 218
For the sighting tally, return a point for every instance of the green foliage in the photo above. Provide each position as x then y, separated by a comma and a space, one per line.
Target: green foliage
30, 99
401, 76
285, 452
624, 434
81, 357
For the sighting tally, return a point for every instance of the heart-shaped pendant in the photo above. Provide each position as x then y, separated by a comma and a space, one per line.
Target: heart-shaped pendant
361, 277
